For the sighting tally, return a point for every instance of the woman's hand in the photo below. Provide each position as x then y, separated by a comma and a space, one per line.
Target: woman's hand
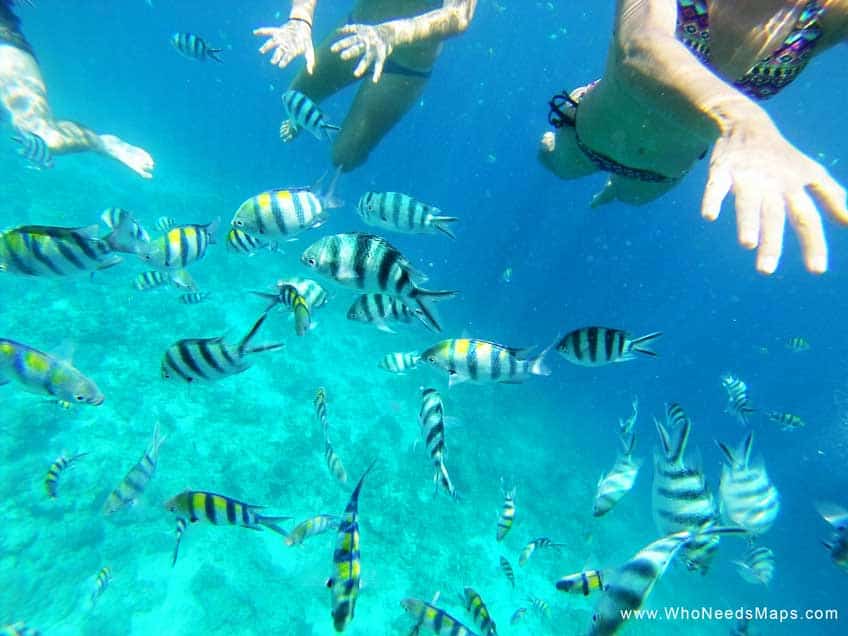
290, 40
371, 44
771, 179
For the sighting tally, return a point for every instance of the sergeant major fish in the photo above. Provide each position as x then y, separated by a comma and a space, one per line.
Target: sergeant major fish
757, 566
315, 295
165, 223
241, 242
532, 546
506, 568
377, 309
344, 583
211, 359
478, 610
304, 114
18, 628
41, 250
402, 213
198, 505
483, 361
127, 235
681, 500
371, 263
182, 524
617, 482
135, 481
433, 619
748, 497
584, 582
597, 346
180, 246
104, 577
154, 279
51, 480
738, 403
507, 516
311, 527
34, 149
399, 362
289, 296
40, 373
837, 545
194, 298
431, 419
283, 212
334, 462
194, 47
786, 421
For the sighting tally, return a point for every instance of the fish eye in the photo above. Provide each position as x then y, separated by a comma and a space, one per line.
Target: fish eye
594, 618
311, 262
431, 358
79, 398
238, 222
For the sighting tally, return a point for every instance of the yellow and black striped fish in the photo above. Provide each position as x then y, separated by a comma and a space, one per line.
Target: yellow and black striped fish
540, 605
738, 402
180, 246
304, 113
797, 344
165, 223
151, 280
284, 212
346, 568
507, 516
51, 480
135, 481
289, 296
334, 462
241, 242
18, 628
431, 418
483, 361
748, 496
198, 505
436, 620
182, 524
41, 250
507, 570
399, 362
104, 577
311, 527
530, 548
786, 421
194, 298
584, 582
402, 213
127, 234
597, 346
477, 608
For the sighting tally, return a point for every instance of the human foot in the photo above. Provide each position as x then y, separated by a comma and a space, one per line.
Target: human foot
136, 159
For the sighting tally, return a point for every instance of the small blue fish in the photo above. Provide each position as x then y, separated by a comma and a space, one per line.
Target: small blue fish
194, 47
304, 113
34, 149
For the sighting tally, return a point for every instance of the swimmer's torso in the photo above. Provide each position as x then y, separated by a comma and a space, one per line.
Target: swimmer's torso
419, 56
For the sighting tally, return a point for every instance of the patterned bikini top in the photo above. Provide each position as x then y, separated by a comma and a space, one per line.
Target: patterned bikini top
771, 73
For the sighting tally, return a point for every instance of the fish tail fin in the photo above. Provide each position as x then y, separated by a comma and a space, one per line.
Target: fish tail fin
272, 523
274, 298
158, 438
213, 53
330, 128
356, 490
537, 365
428, 314
328, 197
439, 224
642, 344
243, 348
121, 238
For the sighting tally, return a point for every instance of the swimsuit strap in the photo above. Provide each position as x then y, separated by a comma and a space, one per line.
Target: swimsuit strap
607, 164
693, 27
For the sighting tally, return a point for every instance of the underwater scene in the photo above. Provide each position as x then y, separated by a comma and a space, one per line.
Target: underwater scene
433, 392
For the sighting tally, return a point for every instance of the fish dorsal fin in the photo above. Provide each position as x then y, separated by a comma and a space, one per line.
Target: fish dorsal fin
682, 440
729, 457
242, 345
664, 439
747, 445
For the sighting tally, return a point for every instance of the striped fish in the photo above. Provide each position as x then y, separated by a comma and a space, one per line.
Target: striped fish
477, 608
625, 427
681, 500
344, 583
597, 346
18, 628
630, 585
748, 498
757, 566
617, 482
518, 616
198, 505
165, 223
135, 481
243, 243
315, 295
530, 548
289, 296
377, 309
483, 361
194, 298
402, 213
399, 362
285, 212
127, 234
506, 568
371, 263
837, 545
41, 373
104, 577
583, 583
41, 250
182, 524
797, 344
180, 246
211, 359
431, 419
786, 421
540, 606
334, 463
311, 527
183, 280
34, 149
194, 47
507, 516
433, 619
304, 114
151, 280
738, 403
51, 480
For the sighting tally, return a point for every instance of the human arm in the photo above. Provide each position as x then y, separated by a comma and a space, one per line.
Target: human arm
293, 38
374, 44
769, 178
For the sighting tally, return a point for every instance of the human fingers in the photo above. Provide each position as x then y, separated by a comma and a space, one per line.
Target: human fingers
748, 206
343, 44
267, 46
718, 185
265, 31
281, 57
806, 221
309, 54
364, 63
773, 220
378, 69
831, 196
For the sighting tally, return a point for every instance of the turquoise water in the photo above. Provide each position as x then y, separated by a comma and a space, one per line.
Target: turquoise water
469, 148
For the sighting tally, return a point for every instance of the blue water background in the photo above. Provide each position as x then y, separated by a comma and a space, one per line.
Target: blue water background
468, 147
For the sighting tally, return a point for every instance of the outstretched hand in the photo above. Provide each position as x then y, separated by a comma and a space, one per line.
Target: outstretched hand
371, 44
288, 41
770, 180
